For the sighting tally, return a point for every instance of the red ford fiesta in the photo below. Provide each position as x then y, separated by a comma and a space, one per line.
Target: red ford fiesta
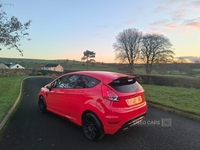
99, 101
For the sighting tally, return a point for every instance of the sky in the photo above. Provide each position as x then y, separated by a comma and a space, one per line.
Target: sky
64, 29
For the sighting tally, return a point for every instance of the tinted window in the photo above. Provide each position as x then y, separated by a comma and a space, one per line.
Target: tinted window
65, 82
87, 82
126, 85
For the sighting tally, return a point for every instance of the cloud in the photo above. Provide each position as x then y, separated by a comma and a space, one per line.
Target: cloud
159, 23
162, 29
179, 14
173, 2
192, 23
178, 9
171, 26
166, 5
196, 4
162, 26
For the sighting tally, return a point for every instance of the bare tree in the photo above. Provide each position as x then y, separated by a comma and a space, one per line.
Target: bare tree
181, 60
88, 54
127, 47
155, 49
12, 31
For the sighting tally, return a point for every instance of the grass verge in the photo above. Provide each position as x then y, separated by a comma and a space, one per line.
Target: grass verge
183, 99
9, 91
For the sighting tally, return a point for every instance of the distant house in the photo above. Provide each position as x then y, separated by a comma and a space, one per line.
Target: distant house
14, 66
3, 66
53, 67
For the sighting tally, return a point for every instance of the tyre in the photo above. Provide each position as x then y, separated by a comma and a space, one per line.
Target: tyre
92, 127
42, 105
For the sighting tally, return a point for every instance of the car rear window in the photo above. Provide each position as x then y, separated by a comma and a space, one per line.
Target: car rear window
126, 85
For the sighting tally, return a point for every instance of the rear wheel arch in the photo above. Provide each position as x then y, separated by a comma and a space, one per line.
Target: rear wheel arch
92, 112
85, 112
98, 125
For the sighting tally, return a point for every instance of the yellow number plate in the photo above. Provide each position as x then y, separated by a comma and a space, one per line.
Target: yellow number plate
134, 100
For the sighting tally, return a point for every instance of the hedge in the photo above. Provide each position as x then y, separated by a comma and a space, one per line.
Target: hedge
186, 82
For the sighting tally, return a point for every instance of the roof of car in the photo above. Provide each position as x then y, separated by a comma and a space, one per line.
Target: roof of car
106, 74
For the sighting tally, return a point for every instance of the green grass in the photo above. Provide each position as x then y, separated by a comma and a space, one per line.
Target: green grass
196, 69
183, 99
9, 91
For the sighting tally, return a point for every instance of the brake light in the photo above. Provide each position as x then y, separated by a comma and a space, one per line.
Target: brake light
109, 94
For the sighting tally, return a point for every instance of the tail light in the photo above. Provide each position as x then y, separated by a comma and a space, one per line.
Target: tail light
109, 94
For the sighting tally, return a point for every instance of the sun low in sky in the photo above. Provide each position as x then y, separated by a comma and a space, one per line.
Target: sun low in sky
64, 29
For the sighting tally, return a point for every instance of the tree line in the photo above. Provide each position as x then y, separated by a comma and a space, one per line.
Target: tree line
132, 45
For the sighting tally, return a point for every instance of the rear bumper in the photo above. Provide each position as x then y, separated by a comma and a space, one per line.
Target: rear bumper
123, 120
132, 122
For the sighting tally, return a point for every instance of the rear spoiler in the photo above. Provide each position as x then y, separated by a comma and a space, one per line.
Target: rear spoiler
123, 81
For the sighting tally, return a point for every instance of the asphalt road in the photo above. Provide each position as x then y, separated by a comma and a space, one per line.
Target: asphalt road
27, 129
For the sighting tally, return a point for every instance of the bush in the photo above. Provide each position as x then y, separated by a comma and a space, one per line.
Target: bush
48, 73
39, 73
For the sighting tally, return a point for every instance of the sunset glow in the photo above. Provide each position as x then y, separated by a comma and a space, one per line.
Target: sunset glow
65, 29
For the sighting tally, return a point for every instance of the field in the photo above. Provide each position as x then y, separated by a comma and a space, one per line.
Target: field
183, 99
10, 88
177, 69
37, 64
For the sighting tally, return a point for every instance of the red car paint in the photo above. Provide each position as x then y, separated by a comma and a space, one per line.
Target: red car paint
114, 107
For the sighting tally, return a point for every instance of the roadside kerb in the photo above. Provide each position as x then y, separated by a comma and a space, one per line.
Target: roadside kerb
3, 122
180, 113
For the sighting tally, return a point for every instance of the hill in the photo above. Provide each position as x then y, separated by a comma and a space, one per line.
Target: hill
67, 64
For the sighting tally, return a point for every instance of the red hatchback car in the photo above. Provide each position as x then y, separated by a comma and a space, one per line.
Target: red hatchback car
99, 101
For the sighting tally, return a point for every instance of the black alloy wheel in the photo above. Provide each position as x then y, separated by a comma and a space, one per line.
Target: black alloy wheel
92, 127
42, 106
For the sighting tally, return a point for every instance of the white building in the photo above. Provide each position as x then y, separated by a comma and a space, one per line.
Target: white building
14, 66
53, 67
3, 66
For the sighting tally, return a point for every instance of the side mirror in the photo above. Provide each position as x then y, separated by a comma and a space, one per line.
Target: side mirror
48, 86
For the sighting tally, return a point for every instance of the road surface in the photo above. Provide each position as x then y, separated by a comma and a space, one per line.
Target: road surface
27, 129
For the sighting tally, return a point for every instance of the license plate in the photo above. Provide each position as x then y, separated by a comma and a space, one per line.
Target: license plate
133, 101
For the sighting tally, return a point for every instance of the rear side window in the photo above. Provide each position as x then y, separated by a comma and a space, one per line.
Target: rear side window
87, 82
66, 81
126, 85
